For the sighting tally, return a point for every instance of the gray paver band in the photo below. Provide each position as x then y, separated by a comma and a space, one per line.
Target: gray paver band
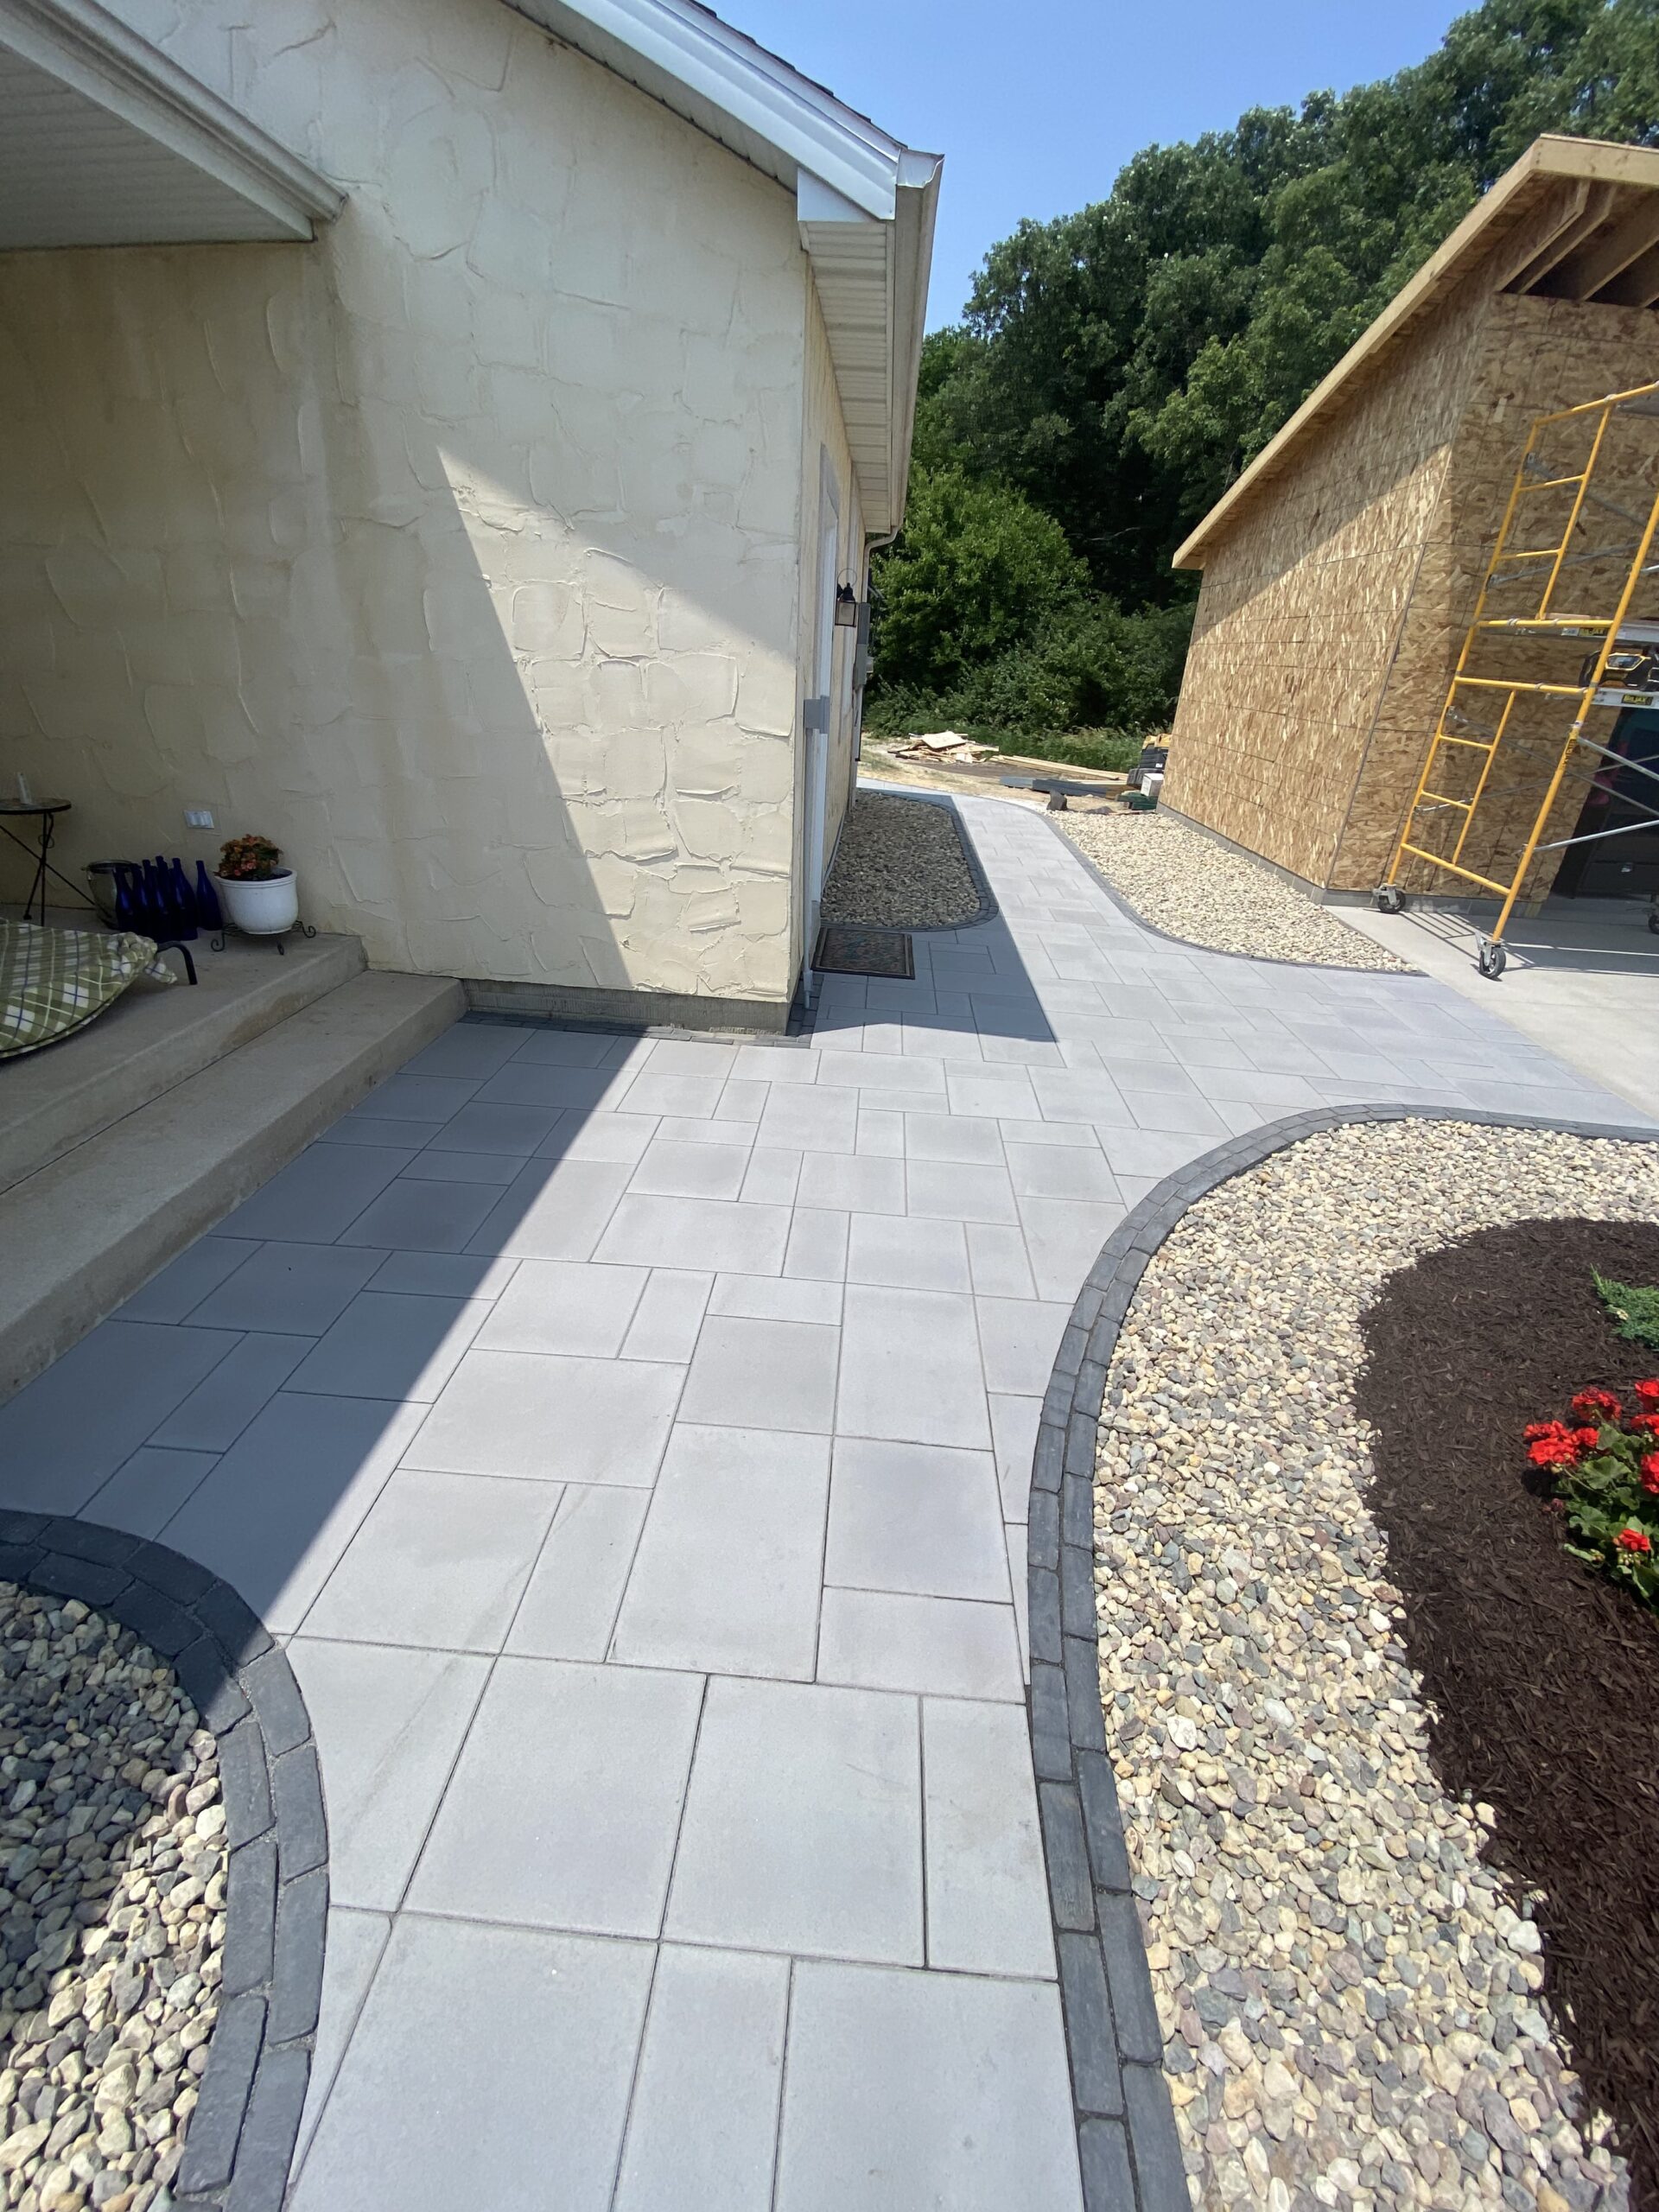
242, 2133
1112, 2031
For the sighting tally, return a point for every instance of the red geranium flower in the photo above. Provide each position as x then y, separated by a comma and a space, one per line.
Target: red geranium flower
1650, 1473
1645, 1425
1586, 1439
1632, 1540
1646, 1394
1555, 1447
1596, 1405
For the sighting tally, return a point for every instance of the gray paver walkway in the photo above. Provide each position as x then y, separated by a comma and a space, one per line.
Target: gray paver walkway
632, 1439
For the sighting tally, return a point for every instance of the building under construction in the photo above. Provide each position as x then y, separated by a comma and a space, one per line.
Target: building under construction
1418, 592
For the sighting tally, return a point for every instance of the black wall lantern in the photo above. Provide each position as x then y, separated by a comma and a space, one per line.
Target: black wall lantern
846, 608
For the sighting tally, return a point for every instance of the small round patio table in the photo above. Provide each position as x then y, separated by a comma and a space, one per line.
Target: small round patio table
44, 813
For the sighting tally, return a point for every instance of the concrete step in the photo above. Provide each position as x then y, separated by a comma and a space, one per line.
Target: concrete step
82, 1233
151, 1039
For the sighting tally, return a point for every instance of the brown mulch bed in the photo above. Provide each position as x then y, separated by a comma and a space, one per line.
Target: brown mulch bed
1543, 1675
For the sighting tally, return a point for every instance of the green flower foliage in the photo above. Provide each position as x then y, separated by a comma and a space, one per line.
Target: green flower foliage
1116, 369
1605, 1473
1636, 1310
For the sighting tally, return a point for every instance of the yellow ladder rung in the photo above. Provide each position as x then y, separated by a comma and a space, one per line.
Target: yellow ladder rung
1475, 744
1506, 683
1544, 622
1549, 483
1468, 873
1440, 799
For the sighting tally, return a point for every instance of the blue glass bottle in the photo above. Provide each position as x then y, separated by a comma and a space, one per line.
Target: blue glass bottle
125, 911
181, 900
208, 916
152, 919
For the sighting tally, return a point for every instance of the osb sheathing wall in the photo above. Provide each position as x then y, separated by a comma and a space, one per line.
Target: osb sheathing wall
1534, 355
1302, 604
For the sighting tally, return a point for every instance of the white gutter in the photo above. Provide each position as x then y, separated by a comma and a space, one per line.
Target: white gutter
91, 54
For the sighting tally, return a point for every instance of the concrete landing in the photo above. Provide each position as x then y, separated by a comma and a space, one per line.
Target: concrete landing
154, 1038
1582, 979
83, 1232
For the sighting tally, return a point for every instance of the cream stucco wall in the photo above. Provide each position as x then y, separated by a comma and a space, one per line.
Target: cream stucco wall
460, 551
825, 452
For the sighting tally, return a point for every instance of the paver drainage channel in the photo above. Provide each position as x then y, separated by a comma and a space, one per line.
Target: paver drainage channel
1118, 2040
240, 2136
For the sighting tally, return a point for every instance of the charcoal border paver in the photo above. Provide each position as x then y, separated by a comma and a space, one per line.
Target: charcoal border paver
1130, 2150
242, 2133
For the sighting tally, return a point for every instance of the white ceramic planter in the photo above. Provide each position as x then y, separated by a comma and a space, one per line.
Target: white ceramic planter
263, 909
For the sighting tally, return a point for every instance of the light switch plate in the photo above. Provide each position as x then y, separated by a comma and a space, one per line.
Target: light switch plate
198, 817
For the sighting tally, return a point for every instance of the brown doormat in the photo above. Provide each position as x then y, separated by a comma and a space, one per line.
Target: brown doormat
844, 948
1542, 1675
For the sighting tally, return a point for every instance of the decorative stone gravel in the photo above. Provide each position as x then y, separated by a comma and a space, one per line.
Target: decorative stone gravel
112, 1876
901, 866
1195, 888
1353, 2004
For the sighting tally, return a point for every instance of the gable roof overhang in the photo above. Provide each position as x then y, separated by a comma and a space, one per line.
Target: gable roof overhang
1575, 219
865, 204
103, 140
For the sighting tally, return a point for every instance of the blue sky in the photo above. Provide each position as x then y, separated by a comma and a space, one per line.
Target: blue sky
1036, 105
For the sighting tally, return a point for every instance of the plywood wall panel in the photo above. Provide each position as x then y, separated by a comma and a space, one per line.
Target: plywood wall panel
1303, 603
1534, 355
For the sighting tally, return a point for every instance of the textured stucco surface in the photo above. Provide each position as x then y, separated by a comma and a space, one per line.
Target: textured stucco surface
459, 551
825, 442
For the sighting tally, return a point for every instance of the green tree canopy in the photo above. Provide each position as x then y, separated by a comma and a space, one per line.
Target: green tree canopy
1116, 368
978, 570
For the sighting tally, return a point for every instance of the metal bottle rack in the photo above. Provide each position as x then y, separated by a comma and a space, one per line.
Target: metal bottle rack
1621, 669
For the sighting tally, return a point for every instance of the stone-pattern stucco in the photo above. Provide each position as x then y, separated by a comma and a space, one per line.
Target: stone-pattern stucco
826, 437
460, 551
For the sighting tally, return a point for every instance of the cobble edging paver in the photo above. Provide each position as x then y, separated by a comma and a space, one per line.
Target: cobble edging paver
1127, 2144
241, 2136
1216, 951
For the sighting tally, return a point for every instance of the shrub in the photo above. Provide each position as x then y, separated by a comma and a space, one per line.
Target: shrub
1605, 1469
1636, 1310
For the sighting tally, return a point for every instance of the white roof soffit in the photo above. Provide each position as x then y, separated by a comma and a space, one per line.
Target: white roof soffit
866, 204
103, 140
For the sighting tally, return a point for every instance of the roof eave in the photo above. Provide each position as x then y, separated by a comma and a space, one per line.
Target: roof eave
1547, 159
91, 54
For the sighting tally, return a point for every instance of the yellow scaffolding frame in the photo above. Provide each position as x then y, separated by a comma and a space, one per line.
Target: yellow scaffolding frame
1546, 622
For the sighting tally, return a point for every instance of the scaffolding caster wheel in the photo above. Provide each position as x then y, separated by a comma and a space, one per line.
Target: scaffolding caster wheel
1490, 958
1389, 899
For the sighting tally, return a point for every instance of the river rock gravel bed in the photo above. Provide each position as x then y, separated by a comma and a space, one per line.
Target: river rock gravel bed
112, 1872
900, 865
1354, 2005
1193, 887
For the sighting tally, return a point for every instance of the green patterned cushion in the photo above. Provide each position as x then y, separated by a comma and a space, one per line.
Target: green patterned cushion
53, 981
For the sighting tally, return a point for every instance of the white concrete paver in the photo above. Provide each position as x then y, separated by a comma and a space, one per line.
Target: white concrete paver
631, 1438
